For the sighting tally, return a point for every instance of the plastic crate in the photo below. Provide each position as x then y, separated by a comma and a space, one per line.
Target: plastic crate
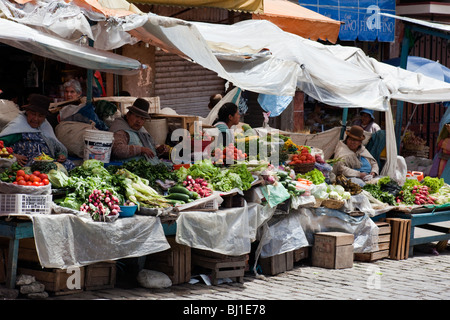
25, 204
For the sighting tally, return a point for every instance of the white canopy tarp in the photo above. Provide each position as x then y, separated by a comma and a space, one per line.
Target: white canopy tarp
28, 39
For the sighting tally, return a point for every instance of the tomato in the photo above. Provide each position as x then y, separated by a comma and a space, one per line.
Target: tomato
36, 173
43, 176
29, 183
20, 173
26, 177
36, 184
15, 182
18, 178
21, 182
41, 184
45, 182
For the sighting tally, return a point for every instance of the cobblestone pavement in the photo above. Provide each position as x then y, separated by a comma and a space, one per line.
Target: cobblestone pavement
421, 277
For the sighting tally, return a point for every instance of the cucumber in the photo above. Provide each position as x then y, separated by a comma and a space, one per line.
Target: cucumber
178, 196
179, 189
194, 195
175, 202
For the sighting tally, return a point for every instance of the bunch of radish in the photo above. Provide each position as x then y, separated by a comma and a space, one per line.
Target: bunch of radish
101, 203
198, 185
420, 194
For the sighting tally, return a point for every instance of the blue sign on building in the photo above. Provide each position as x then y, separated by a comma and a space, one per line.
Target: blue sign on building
360, 17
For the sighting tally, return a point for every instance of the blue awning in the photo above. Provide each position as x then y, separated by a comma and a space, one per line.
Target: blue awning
361, 18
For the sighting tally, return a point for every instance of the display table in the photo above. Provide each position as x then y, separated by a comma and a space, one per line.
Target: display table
14, 231
424, 220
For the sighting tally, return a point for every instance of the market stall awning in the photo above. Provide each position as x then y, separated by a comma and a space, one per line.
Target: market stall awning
236, 5
27, 39
298, 20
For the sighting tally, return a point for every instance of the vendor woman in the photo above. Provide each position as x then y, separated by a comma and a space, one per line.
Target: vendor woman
30, 134
441, 167
131, 139
227, 117
356, 162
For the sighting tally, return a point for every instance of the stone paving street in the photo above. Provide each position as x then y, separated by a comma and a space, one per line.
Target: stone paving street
421, 277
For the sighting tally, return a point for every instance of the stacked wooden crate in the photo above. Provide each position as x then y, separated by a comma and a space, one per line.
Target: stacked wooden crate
384, 238
220, 265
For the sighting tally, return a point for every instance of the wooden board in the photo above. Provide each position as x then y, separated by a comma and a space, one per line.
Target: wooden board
400, 238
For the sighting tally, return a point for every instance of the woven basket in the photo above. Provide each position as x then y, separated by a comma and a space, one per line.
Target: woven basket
303, 167
333, 204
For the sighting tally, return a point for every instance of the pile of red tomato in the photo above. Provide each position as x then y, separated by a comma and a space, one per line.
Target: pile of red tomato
36, 179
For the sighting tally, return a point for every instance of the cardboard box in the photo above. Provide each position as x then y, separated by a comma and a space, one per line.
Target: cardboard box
333, 250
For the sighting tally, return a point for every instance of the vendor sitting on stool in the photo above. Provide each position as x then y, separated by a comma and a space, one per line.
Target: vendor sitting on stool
30, 134
356, 162
131, 139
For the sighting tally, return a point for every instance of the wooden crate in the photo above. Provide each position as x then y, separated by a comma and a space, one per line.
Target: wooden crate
277, 264
234, 200
27, 250
384, 239
221, 266
174, 262
56, 280
400, 237
301, 254
178, 121
333, 250
100, 275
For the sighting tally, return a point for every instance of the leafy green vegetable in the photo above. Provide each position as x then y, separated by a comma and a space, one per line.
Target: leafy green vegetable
433, 183
138, 191
315, 176
58, 179
43, 166
377, 193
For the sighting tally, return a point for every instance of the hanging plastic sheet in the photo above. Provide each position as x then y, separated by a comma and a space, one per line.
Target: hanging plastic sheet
25, 38
283, 233
323, 219
223, 231
274, 104
65, 240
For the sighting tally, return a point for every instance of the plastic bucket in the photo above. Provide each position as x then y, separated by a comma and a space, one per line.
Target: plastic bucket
98, 145
158, 129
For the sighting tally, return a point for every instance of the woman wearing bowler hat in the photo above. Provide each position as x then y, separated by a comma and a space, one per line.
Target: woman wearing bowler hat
131, 139
30, 134
356, 163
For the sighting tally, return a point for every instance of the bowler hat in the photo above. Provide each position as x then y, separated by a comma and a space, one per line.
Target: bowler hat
38, 103
140, 108
356, 132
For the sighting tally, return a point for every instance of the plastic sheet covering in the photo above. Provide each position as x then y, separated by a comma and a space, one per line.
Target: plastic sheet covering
223, 231
31, 40
64, 240
322, 219
283, 233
